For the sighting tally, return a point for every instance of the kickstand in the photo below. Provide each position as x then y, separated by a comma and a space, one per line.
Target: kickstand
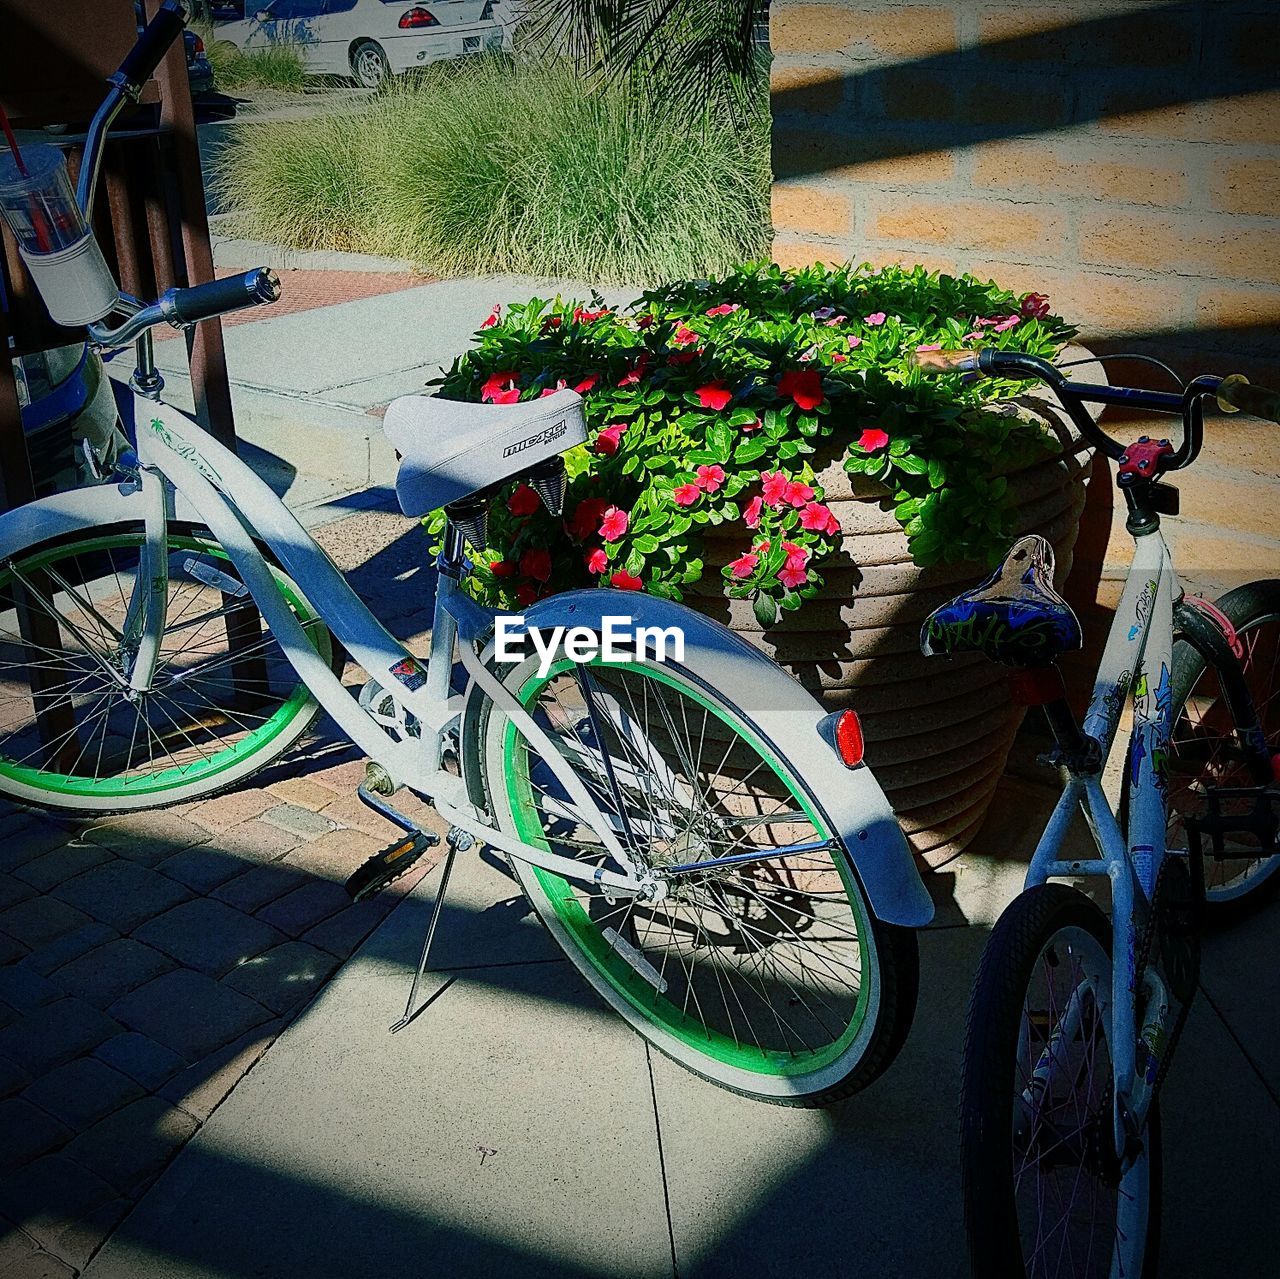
457, 841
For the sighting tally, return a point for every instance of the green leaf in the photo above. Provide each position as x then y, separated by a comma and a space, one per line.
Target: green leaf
748, 451
765, 609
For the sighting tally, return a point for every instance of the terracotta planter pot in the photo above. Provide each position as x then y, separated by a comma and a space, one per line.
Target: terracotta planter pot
938, 730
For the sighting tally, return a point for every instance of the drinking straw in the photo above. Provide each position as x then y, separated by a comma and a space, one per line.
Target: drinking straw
39, 223
13, 142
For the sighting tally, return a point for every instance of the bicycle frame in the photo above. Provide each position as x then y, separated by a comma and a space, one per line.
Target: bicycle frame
1138, 659
177, 458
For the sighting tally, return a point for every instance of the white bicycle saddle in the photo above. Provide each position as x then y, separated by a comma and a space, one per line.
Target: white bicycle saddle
450, 448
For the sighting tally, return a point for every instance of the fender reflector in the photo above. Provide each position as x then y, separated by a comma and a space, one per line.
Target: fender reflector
842, 731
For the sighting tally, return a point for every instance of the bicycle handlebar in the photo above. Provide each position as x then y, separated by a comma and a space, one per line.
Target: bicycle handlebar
1237, 394
258, 287
141, 61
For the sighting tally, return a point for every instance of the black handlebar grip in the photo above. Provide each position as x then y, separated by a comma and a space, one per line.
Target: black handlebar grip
203, 301
1237, 392
142, 60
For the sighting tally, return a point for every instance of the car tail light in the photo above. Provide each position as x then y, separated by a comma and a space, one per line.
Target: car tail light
198, 47
417, 17
842, 731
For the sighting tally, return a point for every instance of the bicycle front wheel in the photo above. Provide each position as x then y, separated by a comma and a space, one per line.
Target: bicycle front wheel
771, 978
1044, 1194
223, 703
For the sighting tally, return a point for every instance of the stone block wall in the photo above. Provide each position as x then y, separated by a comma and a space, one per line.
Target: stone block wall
1122, 156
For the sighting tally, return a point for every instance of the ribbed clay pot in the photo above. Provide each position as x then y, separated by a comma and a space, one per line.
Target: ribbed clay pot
938, 730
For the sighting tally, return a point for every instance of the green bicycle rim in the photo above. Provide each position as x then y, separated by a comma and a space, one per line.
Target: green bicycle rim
620, 975
180, 775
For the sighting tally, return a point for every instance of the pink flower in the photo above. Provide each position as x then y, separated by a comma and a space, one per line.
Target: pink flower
686, 494
597, 561
872, 439
932, 346
835, 319
969, 337
551, 390
500, 388
792, 577
710, 478
625, 581
725, 308
536, 563
797, 556
744, 565
1009, 322
638, 370
753, 426
586, 518
614, 524
804, 386
775, 487
817, 516
495, 316
715, 395
609, 439
837, 358
854, 341
524, 501
798, 494
875, 318
751, 516
587, 383
684, 336
1035, 306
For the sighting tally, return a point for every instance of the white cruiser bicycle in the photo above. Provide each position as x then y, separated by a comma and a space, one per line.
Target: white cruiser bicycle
730, 878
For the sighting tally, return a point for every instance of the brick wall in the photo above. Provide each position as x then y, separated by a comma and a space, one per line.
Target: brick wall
1122, 156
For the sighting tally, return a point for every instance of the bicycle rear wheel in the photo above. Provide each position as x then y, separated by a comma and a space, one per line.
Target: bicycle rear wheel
224, 702
1044, 1195
1205, 753
770, 978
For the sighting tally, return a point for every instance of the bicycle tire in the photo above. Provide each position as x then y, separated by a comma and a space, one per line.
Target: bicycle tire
885, 1000
991, 1074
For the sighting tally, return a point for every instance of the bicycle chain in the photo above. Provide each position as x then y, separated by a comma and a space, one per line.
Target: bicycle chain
1173, 918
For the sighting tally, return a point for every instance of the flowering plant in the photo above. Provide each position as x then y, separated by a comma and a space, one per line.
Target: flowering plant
707, 401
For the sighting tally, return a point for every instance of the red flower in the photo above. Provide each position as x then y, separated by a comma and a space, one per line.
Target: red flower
804, 386
872, 439
714, 396
797, 556
501, 388
684, 336
587, 383
552, 322
582, 316
502, 568
494, 317
751, 516
586, 518
744, 565
725, 308
817, 516
614, 524
1035, 306
526, 594
686, 494
798, 494
639, 369
524, 501
609, 439
838, 358
792, 577
597, 561
775, 487
710, 478
625, 581
683, 357
644, 321
536, 563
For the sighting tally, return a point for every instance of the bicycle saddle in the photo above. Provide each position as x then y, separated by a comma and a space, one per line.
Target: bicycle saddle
1015, 617
450, 448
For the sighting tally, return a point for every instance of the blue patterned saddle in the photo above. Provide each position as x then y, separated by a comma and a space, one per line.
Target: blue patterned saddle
1015, 617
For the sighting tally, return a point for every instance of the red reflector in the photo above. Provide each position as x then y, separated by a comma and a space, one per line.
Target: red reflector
198, 47
417, 17
849, 738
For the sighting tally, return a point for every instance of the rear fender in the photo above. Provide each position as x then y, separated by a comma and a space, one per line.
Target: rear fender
782, 713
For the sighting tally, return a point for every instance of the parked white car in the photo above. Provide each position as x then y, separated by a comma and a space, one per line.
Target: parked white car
368, 39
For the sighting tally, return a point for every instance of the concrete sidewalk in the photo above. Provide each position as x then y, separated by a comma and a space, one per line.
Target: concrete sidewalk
515, 1126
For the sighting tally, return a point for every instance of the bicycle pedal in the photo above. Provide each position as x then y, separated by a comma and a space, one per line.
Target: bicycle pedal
388, 864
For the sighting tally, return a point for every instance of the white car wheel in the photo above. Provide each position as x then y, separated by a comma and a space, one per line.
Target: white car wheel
369, 64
